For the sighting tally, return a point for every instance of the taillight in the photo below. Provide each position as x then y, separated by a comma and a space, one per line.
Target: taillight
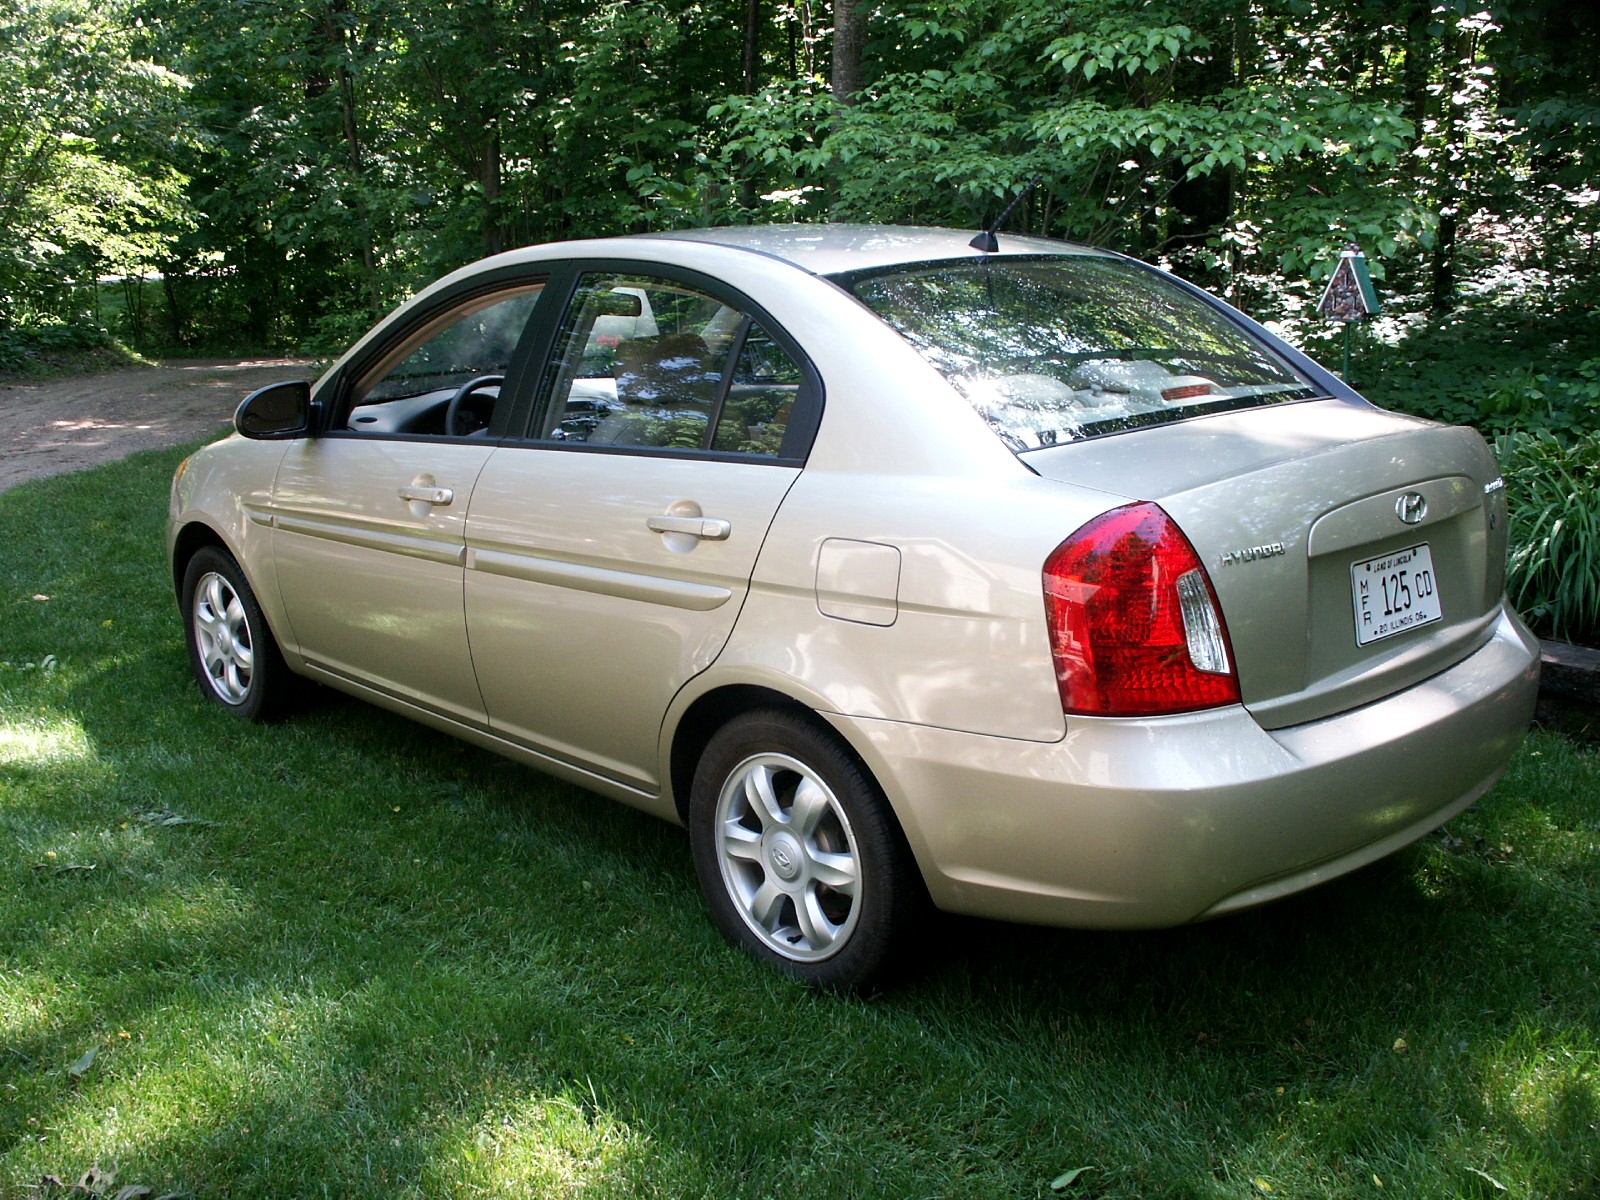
1135, 627
1189, 391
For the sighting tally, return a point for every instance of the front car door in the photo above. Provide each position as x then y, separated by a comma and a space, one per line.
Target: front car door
370, 515
609, 552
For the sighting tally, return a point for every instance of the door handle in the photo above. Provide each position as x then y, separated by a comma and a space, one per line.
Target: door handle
427, 495
709, 529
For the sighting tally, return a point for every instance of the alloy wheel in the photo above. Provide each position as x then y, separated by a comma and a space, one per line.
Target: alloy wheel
788, 857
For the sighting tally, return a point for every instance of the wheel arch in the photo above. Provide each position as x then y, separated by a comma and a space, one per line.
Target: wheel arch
707, 712
190, 538
699, 722
194, 533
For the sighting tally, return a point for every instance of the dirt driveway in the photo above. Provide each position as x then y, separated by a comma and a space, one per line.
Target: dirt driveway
84, 420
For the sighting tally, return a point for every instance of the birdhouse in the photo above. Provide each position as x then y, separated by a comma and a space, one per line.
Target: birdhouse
1349, 295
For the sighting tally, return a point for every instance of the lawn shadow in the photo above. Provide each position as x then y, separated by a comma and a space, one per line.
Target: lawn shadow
390, 962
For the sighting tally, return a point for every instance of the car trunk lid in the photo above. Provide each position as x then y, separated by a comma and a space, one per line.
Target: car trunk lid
1354, 552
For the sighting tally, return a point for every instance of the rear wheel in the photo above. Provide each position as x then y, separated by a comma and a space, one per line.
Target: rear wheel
233, 654
801, 860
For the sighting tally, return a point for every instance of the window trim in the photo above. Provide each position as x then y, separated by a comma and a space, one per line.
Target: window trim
335, 400
725, 387
1318, 378
804, 420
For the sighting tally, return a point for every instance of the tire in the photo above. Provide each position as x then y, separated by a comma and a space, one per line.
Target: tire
235, 659
799, 856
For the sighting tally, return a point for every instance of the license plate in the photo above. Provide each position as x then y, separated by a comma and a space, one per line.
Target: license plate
1393, 593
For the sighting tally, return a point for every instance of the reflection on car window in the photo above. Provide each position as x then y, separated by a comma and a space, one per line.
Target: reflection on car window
760, 397
653, 363
1049, 350
410, 389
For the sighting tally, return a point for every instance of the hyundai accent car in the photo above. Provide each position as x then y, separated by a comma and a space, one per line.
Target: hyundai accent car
1034, 582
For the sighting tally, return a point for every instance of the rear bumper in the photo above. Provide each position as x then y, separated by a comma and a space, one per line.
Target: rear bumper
1129, 824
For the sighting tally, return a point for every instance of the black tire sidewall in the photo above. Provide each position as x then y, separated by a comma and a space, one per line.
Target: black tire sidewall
267, 671
888, 879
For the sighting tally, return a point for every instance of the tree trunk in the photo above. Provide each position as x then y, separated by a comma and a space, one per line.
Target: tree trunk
752, 46
1442, 270
334, 36
1414, 77
849, 43
489, 177
752, 83
176, 319
1460, 51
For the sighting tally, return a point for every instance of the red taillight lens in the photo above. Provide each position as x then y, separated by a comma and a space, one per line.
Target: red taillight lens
1134, 625
1189, 391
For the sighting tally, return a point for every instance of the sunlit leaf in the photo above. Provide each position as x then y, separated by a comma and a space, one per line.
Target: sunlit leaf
1067, 1178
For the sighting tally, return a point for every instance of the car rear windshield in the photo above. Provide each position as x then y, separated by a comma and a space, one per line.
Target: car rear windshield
1054, 349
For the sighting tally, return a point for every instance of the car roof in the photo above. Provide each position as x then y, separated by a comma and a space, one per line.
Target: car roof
831, 249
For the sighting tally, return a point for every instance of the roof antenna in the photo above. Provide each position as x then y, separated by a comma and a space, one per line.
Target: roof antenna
986, 241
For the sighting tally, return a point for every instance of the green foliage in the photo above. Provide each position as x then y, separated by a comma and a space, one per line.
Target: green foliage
275, 174
1553, 488
84, 185
1534, 401
1499, 367
22, 350
1113, 45
290, 171
1264, 167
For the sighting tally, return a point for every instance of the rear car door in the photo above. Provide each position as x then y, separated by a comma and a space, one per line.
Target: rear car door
608, 553
370, 515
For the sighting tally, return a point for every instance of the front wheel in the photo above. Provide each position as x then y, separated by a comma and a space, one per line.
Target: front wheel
235, 659
801, 860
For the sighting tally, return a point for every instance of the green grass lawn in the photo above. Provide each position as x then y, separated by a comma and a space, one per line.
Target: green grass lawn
346, 956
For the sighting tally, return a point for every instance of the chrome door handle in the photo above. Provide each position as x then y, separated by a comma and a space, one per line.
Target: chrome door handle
428, 495
708, 529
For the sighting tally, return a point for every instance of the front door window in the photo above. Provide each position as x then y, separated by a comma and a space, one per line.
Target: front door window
445, 379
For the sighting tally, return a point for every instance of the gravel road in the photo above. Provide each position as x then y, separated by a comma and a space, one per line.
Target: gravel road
82, 421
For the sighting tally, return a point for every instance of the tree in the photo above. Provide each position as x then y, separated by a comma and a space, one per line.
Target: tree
293, 166
70, 81
849, 44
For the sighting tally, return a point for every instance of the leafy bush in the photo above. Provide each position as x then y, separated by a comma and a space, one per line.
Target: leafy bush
1554, 575
1500, 372
336, 331
21, 349
1562, 404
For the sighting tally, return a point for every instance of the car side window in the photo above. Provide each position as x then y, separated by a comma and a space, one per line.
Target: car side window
446, 377
658, 364
760, 397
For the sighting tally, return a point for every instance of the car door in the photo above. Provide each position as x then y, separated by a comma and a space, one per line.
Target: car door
370, 515
608, 554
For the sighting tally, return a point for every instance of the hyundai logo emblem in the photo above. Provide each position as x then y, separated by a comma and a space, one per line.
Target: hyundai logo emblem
1411, 508
784, 855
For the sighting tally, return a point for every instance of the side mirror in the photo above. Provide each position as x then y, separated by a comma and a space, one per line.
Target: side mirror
279, 410
618, 304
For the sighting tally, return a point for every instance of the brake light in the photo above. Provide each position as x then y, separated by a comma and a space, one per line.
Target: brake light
1135, 628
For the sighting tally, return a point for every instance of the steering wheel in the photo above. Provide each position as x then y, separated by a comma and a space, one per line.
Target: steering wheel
454, 413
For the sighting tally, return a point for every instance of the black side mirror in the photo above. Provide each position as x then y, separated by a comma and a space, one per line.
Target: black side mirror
617, 304
279, 410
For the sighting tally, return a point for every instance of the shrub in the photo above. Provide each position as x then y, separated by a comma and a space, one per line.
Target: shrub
21, 349
1562, 403
1554, 573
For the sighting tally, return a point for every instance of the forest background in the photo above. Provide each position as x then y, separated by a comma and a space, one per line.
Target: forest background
186, 176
